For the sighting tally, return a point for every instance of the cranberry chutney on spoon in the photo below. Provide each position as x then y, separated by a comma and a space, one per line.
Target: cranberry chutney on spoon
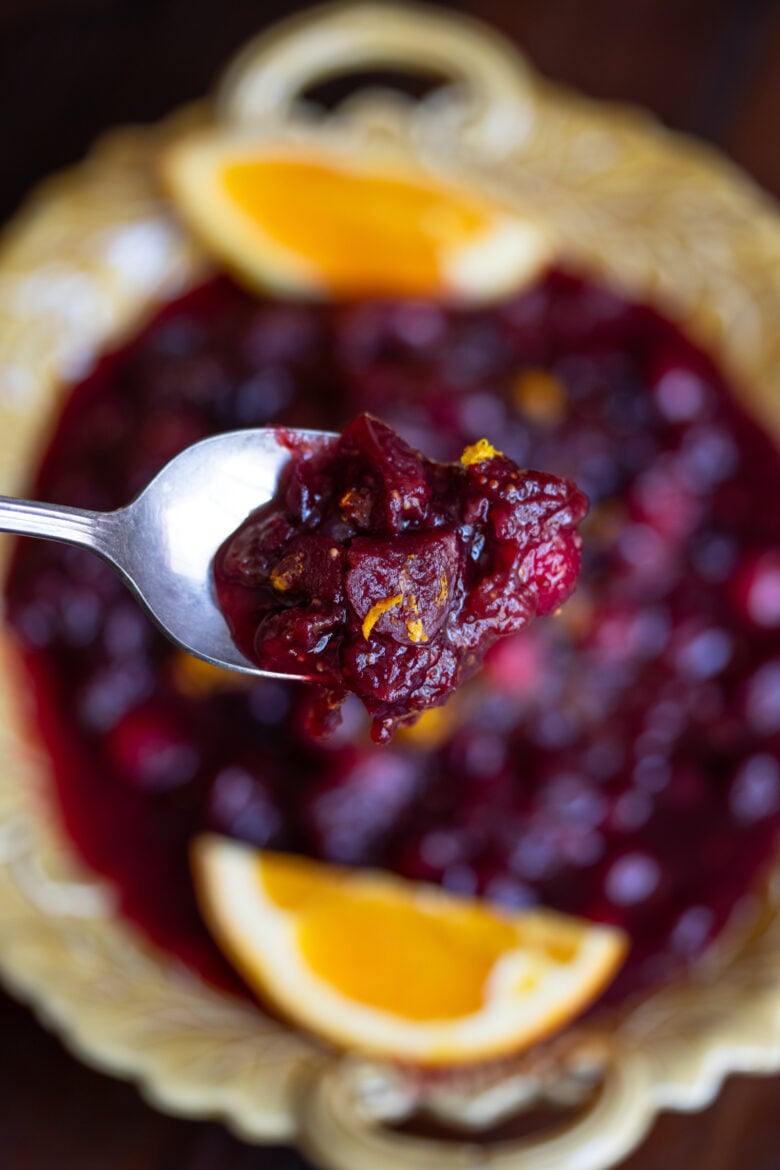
377, 571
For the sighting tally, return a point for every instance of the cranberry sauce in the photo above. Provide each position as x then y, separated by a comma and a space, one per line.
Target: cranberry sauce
620, 761
379, 572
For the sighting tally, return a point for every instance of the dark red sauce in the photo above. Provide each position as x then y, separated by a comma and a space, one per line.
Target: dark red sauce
620, 761
378, 572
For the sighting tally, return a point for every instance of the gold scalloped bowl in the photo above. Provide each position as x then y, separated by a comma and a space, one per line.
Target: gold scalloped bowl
84, 265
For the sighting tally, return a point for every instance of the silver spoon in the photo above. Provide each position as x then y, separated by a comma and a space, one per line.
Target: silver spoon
163, 543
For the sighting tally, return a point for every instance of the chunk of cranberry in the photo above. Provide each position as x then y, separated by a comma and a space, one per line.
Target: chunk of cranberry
255, 549
373, 456
425, 569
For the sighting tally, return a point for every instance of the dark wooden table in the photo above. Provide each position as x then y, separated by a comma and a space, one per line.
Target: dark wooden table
70, 68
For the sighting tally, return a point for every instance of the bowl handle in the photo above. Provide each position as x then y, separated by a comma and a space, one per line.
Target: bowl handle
339, 1128
262, 84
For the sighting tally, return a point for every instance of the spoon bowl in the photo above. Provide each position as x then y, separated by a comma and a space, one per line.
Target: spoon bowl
163, 544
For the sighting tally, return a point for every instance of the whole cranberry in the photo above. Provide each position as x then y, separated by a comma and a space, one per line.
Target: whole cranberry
242, 803
151, 750
351, 813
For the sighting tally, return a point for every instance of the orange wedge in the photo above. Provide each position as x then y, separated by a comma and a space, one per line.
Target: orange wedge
393, 968
316, 222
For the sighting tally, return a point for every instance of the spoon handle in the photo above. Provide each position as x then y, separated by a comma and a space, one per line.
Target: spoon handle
92, 530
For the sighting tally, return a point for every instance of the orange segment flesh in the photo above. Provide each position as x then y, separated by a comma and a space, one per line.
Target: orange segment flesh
319, 222
365, 234
396, 968
341, 935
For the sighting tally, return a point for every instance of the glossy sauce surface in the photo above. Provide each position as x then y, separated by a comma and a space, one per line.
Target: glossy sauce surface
621, 761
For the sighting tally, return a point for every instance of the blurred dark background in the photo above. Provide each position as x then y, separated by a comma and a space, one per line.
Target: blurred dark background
72, 68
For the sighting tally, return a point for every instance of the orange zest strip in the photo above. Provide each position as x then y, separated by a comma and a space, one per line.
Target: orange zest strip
479, 452
376, 611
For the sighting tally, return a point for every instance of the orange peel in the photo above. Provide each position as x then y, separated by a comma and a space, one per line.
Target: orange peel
376, 611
